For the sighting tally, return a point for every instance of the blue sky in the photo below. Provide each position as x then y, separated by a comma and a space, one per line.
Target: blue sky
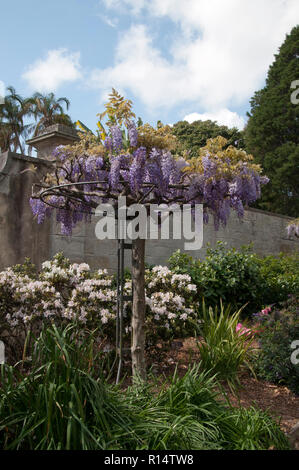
175, 59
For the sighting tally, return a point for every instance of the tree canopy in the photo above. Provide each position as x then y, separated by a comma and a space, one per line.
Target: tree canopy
145, 164
194, 136
272, 133
19, 117
12, 121
48, 110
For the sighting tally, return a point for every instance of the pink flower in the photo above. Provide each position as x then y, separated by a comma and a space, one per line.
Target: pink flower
266, 311
242, 330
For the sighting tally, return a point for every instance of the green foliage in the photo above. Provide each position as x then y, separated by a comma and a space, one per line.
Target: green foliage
26, 269
194, 136
12, 121
250, 428
117, 110
278, 331
239, 277
227, 274
48, 407
281, 275
272, 130
48, 110
223, 349
63, 402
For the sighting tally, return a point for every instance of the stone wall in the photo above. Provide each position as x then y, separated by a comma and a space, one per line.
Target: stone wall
267, 233
21, 236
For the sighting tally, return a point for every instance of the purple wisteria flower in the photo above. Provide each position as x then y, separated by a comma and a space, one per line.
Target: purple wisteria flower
115, 172
137, 169
40, 209
108, 144
132, 133
117, 138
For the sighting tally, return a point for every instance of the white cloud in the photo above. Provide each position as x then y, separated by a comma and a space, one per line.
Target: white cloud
112, 22
223, 117
219, 57
49, 74
122, 5
2, 92
139, 67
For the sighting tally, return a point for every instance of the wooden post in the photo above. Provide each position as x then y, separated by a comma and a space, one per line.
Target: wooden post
138, 314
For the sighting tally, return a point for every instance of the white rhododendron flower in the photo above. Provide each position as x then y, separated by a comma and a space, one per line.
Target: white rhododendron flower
65, 292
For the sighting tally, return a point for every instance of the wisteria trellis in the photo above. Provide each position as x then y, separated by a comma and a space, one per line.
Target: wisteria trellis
142, 164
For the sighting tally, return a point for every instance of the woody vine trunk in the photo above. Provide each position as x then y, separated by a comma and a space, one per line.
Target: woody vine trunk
138, 314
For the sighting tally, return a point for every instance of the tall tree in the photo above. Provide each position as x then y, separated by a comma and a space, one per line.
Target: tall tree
136, 162
12, 125
48, 110
272, 132
194, 136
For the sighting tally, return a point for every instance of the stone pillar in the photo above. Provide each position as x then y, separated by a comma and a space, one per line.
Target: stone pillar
46, 141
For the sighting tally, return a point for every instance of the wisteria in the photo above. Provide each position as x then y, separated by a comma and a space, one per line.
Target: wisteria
143, 164
132, 133
220, 178
117, 140
40, 209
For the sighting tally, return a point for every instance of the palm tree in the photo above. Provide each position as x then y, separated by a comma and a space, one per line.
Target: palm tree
12, 126
48, 110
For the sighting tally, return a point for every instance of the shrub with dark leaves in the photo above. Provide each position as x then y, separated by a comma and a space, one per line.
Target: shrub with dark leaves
278, 330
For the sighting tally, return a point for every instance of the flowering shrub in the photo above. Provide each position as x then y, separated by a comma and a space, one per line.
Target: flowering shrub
23, 300
63, 292
278, 329
170, 302
89, 297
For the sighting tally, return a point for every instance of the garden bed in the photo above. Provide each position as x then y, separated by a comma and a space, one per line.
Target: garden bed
278, 400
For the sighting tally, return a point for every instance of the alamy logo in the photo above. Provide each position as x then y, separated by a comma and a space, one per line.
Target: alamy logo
138, 221
295, 354
2, 352
295, 94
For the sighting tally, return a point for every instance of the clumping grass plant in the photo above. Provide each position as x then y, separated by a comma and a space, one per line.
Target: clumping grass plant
226, 345
63, 402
